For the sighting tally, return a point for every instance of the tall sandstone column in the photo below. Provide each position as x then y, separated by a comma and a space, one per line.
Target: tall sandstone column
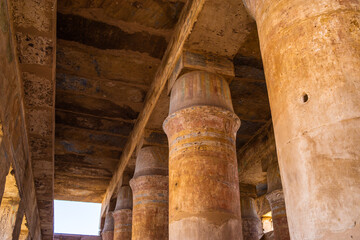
276, 200
108, 231
311, 57
204, 199
150, 195
123, 214
251, 223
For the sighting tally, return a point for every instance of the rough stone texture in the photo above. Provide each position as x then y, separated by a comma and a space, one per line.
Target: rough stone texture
278, 211
123, 214
34, 49
122, 224
311, 58
105, 64
262, 205
34, 23
202, 88
150, 194
38, 91
14, 148
23, 14
255, 155
108, 231
147, 13
9, 208
251, 223
203, 183
221, 28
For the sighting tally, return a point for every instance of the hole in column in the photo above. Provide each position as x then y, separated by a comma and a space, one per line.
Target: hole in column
176, 184
305, 97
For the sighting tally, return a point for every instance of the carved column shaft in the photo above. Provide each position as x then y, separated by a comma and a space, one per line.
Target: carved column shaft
251, 223
123, 214
150, 195
203, 183
311, 56
108, 231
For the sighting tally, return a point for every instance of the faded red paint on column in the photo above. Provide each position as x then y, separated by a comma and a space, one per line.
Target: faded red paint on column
278, 211
311, 55
123, 214
276, 200
204, 199
108, 231
150, 195
251, 223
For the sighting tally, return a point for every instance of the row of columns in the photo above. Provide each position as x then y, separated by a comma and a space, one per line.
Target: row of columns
311, 56
190, 191
310, 51
141, 210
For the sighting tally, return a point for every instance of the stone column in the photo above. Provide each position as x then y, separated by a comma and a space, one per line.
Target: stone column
108, 231
251, 223
204, 199
123, 214
311, 56
150, 195
276, 200
278, 213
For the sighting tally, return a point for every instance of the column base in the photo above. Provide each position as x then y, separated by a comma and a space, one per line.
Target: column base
196, 228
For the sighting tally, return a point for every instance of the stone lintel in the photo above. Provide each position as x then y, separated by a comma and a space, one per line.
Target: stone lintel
191, 61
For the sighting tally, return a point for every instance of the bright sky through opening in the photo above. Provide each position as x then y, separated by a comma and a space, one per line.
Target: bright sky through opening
77, 217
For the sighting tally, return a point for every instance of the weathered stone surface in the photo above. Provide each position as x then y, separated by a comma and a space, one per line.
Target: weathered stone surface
149, 13
113, 65
262, 205
311, 59
251, 223
122, 224
222, 28
255, 154
278, 213
150, 194
91, 137
14, 147
104, 36
33, 14
123, 213
95, 106
84, 121
203, 184
34, 49
100, 88
38, 91
40, 122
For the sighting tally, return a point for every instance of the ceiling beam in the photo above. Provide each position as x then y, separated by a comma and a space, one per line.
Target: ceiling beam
191, 61
183, 29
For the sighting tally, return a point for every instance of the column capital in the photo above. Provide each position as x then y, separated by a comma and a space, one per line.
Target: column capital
200, 88
151, 160
275, 196
124, 198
